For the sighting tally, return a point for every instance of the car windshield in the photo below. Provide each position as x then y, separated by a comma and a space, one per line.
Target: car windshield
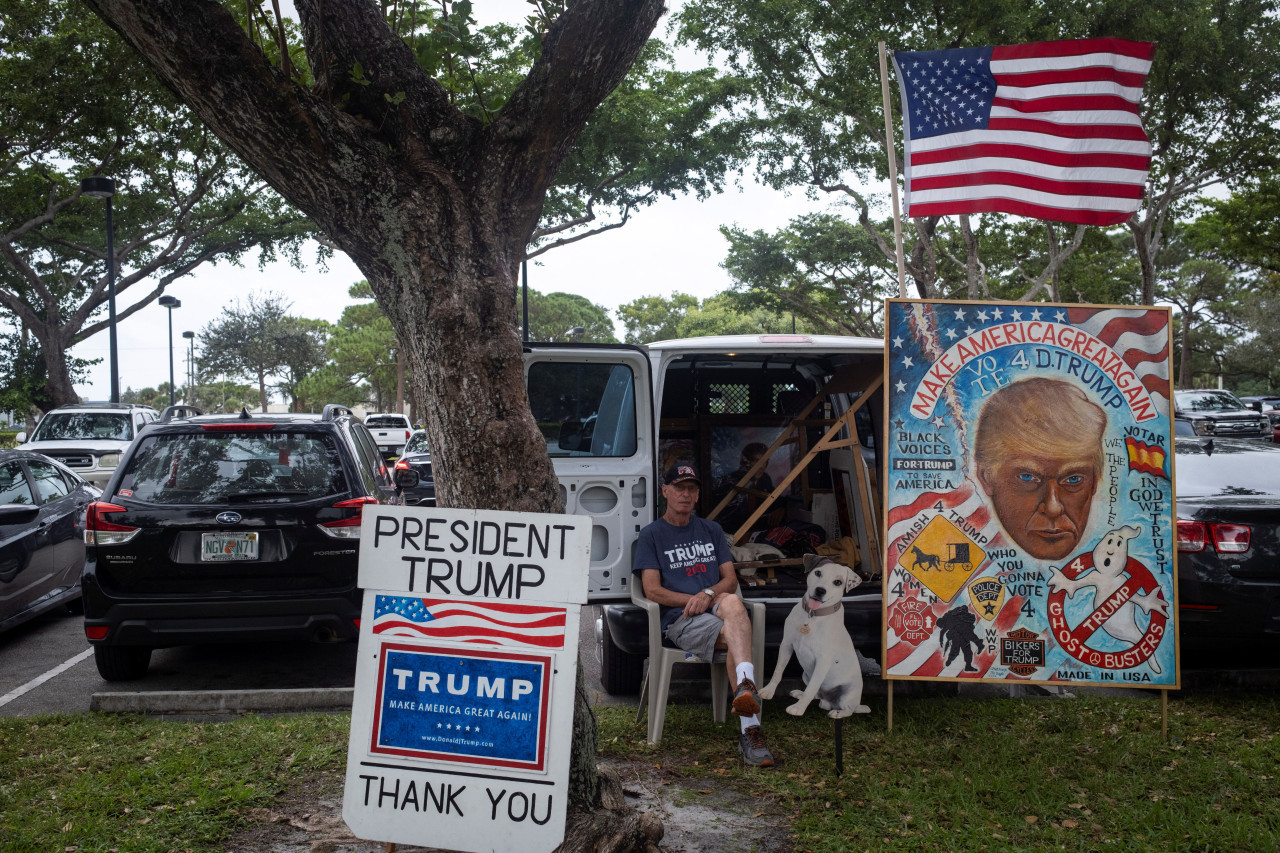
81, 426
385, 423
417, 443
230, 467
1208, 401
1211, 468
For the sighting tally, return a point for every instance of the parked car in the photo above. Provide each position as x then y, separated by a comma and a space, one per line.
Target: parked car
1218, 413
1228, 501
390, 432
42, 506
1262, 403
230, 528
88, 438
417, 457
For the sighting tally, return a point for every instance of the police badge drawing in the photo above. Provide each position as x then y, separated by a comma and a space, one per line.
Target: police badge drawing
1029, 494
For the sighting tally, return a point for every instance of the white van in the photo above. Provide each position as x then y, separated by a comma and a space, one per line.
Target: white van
615, 416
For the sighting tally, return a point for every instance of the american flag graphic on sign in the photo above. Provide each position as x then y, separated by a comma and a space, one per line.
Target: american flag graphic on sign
1048, 130
485, 622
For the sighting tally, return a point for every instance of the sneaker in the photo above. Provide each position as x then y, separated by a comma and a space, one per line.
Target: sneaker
754, 752
746, 702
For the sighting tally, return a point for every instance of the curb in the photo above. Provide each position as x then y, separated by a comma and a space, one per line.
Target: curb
224, 701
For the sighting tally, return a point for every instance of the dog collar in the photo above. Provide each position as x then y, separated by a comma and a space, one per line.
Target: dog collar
823, 611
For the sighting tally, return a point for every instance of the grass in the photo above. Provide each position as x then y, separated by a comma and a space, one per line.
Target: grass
955, 774
1033, 774
127, 783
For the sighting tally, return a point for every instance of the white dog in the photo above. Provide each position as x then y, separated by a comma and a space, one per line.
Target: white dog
1109, 560
815, 632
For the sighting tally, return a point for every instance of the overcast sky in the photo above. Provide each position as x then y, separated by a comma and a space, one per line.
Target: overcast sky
671, 246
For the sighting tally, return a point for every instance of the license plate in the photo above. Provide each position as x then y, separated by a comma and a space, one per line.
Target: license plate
225, 547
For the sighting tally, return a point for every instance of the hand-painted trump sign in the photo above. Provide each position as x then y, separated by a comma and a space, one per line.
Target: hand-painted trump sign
463, 709
1029, 494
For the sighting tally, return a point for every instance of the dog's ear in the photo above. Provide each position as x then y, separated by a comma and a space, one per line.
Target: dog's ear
852, 578
812, 561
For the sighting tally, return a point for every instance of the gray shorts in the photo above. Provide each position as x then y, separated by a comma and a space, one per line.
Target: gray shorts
698, 635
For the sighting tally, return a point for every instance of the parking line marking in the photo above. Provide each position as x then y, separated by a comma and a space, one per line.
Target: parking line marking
41, 679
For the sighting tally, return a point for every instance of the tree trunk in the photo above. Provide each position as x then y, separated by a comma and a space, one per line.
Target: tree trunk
53, 347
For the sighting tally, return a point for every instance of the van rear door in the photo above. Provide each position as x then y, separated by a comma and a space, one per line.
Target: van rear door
594, 405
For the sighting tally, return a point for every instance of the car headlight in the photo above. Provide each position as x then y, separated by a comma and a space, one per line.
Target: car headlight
1203, 427
109, 460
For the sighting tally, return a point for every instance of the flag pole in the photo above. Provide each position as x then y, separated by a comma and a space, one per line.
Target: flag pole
893, 170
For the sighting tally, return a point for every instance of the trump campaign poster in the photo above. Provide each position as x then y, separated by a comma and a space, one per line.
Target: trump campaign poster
1029, 522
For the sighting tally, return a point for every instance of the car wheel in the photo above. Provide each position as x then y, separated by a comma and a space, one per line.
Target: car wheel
620, 672
122, 663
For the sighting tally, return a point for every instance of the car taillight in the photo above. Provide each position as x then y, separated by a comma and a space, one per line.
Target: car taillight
99, 531
1230, 538
401, 465
407, 433
1193, 536
95, 632
347, 528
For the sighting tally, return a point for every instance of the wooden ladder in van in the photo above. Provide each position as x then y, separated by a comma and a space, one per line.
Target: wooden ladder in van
847, 380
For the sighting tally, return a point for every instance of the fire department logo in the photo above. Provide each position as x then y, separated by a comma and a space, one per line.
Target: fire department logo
942, 558
911, 619
1022, 651
987, 597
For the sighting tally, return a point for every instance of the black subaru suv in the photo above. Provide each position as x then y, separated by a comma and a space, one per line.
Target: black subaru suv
229, 528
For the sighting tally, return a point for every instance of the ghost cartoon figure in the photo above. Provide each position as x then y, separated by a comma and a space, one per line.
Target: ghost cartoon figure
1110, 557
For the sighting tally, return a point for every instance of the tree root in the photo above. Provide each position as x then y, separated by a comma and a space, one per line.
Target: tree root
613, 828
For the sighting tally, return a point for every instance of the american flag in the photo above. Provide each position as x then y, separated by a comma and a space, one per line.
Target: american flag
486, 622
1048, 130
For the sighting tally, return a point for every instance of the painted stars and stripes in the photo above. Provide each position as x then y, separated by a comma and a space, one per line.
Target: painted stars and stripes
1048, 130
485, 622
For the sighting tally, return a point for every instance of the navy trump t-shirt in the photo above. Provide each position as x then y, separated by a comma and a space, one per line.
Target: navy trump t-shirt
689, 557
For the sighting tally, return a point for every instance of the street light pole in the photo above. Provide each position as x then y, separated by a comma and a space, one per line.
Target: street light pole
191, 368
100, 187
170, 303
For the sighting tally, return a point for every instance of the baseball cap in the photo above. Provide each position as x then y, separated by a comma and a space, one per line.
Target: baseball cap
679, 473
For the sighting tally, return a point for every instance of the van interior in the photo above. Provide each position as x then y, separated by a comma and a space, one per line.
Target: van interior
781, 465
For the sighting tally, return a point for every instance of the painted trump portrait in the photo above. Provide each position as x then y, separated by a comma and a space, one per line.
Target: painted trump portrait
1038, 455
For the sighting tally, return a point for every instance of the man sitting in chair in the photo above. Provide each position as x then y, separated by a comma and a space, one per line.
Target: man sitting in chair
685, 566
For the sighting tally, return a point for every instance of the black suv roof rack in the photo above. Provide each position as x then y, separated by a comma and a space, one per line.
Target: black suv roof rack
333, 411
105, 404
178, 411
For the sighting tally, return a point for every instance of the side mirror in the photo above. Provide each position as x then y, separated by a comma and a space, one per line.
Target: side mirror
406, 478
570, 437
21, 437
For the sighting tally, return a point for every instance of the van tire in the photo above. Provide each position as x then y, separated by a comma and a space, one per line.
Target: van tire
620, 672
122, 663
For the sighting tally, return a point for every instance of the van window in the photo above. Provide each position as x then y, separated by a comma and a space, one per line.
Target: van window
584, 409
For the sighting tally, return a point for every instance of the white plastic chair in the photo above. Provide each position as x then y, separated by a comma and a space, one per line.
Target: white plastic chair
654, 687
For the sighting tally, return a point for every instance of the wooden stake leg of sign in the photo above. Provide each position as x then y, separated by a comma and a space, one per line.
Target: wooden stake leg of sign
391, 847
1164, 715
890, 685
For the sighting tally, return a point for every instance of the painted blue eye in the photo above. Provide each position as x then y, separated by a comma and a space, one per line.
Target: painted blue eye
1074, 480
1027, 478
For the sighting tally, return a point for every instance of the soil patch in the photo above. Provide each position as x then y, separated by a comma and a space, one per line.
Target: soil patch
699, 816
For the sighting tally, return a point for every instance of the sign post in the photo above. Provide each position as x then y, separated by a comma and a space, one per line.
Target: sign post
463, 711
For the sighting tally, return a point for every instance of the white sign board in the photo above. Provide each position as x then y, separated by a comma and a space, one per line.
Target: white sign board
463, 711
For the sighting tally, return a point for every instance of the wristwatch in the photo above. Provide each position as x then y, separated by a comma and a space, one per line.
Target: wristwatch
710, 592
